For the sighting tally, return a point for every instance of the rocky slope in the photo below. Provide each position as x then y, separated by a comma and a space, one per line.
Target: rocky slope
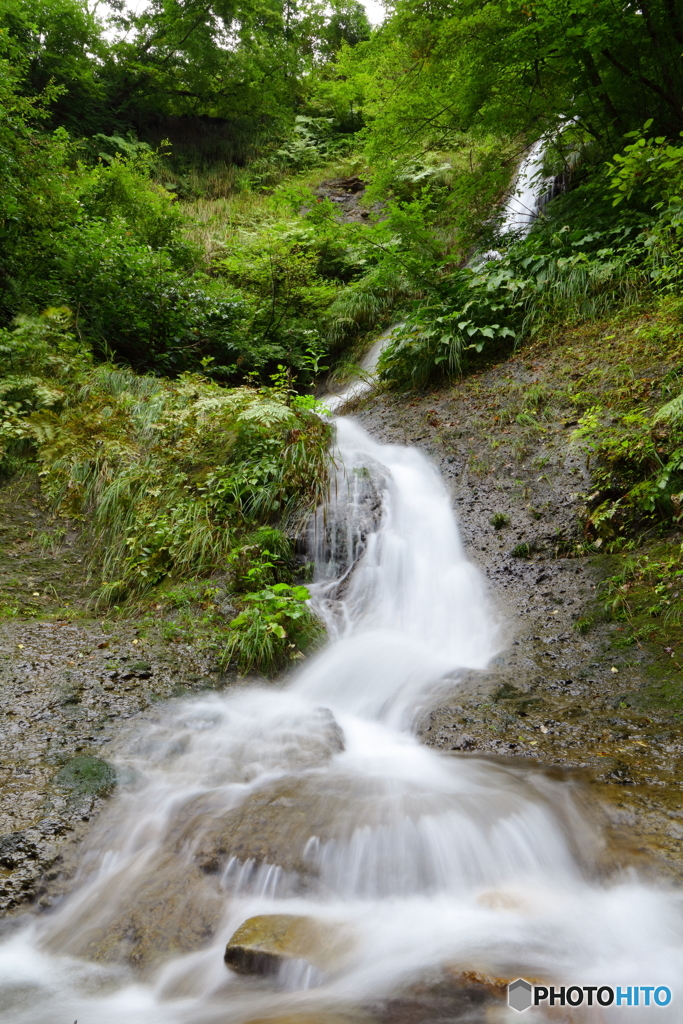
562, 690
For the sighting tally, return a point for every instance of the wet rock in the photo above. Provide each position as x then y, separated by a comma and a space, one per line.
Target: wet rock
345, 194
14, 849
262, 944
620, 773
463, 742
320, 1016
168, 910
271, 826
449, 995
25, 856
63, 699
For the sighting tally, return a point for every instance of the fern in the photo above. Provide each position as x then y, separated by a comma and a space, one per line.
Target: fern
166, 474
671, 413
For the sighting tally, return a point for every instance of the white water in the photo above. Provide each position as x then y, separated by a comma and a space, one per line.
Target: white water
362, 384
423, 859
528, 188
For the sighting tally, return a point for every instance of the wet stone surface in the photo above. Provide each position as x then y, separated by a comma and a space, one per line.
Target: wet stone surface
346, 195
66, 688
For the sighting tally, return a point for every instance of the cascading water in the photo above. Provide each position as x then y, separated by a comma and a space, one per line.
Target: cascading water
528, 191
531, 190
363, 384
317, 800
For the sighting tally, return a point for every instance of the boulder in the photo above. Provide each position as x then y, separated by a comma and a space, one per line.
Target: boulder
272, 825
168, 909
262, 944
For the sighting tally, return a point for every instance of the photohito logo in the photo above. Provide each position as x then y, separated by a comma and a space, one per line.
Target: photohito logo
522, 995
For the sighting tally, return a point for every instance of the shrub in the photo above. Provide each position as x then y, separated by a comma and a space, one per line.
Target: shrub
168, 474
274, 628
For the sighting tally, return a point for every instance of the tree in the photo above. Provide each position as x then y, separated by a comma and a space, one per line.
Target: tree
61, 42
438, 69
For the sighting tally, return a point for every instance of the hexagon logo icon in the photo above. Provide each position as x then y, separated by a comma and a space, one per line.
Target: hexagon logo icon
519, 995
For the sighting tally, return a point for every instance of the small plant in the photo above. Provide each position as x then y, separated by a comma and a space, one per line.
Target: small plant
521, 551
499, 520
273, 630
583, 624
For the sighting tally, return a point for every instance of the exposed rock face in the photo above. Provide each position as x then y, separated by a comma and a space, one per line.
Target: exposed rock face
346, 194
272, 825
169, 909
262, 944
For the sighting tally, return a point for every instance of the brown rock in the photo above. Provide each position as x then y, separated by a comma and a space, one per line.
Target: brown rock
170, 909
263, 943
321, 1016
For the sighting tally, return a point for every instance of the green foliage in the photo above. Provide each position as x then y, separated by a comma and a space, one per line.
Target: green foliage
272, 630
631, 434
61, 43
646, 597
86, 775
637, 470
521, 551
434, 74
564, 271
36, 358
222, 81
312, 141
166, 474
108, 242
499, 520
649, 170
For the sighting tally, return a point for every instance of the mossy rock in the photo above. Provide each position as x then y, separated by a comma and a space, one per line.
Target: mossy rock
86, 776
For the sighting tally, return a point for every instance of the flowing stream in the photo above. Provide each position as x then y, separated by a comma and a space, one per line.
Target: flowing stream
408, 859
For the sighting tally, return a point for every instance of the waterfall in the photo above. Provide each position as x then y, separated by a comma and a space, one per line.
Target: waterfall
529, 189
315, 798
